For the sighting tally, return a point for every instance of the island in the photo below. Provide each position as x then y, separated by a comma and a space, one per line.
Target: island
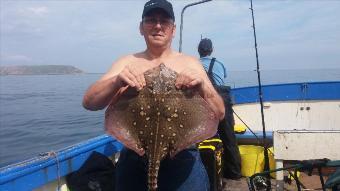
39, 70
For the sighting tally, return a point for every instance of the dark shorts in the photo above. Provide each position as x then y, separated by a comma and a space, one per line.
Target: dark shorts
184, 172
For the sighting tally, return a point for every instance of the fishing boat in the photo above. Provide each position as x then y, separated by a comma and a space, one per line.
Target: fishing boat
288, 107
301, 121
294, 113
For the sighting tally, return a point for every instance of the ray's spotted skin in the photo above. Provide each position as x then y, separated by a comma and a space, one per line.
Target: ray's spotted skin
160, 120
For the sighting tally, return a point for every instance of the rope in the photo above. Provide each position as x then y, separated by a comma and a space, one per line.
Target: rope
257, 138
55, 155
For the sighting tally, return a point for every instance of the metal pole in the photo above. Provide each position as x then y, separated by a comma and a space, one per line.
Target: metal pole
181, 27
266, 158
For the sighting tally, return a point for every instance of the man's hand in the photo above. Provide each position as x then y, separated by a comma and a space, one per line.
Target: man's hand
132, 77
188, 79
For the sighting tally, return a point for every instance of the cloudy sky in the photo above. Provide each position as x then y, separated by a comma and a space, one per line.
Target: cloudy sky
91, 34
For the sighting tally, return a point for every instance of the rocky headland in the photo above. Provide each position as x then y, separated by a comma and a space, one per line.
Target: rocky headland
39, 70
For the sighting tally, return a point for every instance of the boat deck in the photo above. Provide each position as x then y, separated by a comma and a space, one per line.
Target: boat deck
311, 183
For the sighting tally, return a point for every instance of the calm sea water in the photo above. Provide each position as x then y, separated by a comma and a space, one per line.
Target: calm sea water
44, 113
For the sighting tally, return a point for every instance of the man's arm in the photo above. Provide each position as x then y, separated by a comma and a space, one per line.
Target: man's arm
109, 88
100, 93
209, 93
195, 76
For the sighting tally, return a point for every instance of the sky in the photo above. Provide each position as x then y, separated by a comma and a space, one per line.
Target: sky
91, 35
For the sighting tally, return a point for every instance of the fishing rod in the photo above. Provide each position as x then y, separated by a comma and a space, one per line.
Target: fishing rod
266, 158
182, 14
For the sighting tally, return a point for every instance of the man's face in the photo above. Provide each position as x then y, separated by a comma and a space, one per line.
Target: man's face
157, 28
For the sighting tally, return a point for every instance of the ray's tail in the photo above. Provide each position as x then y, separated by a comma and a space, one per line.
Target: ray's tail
153, 175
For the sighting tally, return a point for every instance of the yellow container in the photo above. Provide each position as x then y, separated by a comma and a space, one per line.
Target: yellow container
272, 165
240, 128
252, 159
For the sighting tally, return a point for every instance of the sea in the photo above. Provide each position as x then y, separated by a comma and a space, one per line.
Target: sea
41, 113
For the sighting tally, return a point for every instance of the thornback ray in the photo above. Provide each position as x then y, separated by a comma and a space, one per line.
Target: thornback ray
160, 120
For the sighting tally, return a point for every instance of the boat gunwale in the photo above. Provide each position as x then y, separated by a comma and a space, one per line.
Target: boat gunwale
17, 170
288, 92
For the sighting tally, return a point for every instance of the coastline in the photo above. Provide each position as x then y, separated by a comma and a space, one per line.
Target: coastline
39, 70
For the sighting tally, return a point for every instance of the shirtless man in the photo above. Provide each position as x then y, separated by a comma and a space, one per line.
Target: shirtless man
158, 28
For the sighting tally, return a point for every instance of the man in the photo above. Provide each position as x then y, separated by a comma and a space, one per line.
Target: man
217, 73
185, 171
210, 64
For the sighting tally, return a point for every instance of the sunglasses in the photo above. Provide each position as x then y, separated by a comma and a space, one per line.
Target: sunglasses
164, 22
